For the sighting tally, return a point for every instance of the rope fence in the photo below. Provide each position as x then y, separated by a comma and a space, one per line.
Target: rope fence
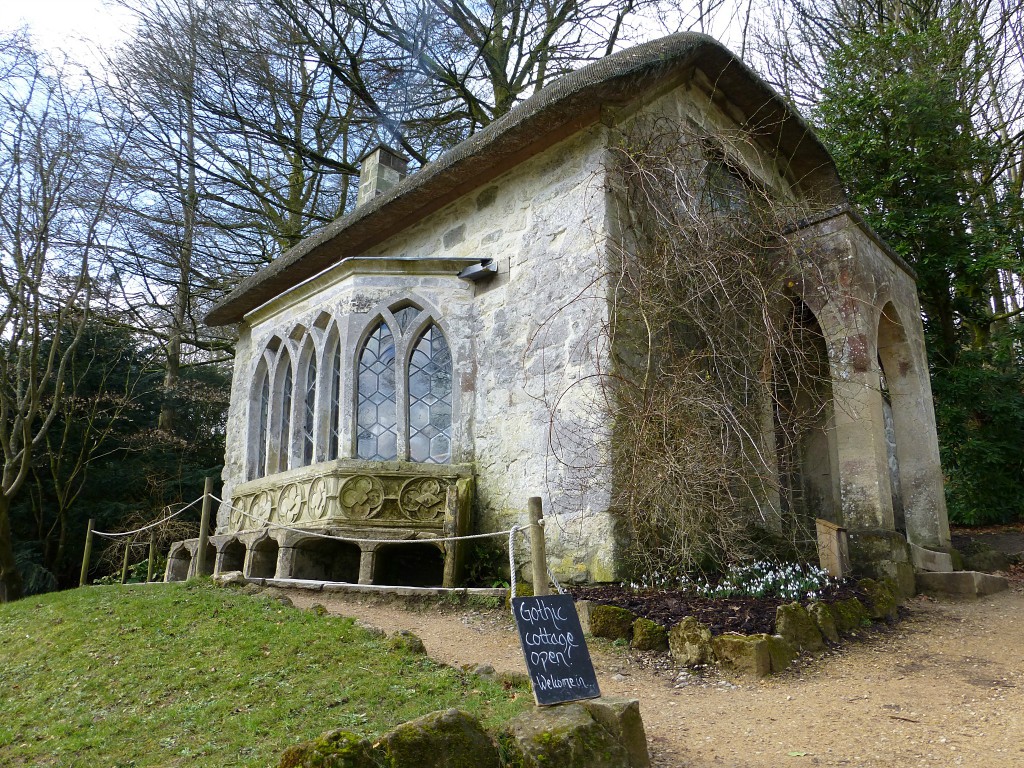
541, 572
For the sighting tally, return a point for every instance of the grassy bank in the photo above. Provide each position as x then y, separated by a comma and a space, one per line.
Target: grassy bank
188, 674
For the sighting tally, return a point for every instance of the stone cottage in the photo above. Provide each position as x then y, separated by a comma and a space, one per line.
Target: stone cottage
394, 372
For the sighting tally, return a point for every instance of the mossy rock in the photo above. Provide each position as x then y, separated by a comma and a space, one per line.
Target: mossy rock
649, 636
781, 653
689, 642
565, 736
746, 654
318, 609
825, 621
335, 749
879, 598
404, 640
794, 623
850, 615
445, 739
611, 622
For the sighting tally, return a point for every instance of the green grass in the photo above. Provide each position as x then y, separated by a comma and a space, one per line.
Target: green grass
189, 674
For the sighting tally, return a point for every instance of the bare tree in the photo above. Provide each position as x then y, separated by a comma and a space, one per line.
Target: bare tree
53, 203
433, 71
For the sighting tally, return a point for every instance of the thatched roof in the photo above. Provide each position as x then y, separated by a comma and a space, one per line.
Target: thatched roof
561, 109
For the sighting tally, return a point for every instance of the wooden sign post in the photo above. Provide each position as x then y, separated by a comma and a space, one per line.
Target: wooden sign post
556, 653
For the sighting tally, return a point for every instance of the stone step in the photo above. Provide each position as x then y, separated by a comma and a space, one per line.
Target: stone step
960, 583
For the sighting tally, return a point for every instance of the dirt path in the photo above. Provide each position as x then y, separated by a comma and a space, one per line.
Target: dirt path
945, 687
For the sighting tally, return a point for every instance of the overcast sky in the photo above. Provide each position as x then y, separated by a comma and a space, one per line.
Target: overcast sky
69, 25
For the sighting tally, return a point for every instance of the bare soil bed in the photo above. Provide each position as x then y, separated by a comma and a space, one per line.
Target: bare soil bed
943, 687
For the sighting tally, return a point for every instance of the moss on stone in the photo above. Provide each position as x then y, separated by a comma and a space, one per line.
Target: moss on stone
781, 653
850, 615
611, 622
649, 636
879, 598
794, 623
404, 640
824, 620
334, 749
746, 654
446, 739
564, 736
689, 641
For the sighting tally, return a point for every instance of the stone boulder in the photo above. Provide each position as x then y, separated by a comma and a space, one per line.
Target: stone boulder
621, 718
794, 623
404, 640
879, 599
335, 749
606, 621
755, 655
850, 615
445, 739
689, 642
566, 736
649, 636
825, 621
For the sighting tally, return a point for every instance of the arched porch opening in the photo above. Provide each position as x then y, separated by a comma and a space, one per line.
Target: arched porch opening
326, 560
178, 564
409, 565
263, 559
804, 423
232, 556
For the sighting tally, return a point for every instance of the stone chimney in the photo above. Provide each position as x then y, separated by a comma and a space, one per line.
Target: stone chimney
382, 168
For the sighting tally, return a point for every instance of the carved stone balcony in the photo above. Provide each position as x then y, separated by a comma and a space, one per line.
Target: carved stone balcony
277, 525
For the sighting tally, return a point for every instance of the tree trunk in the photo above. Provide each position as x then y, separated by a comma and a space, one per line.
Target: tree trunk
10, 576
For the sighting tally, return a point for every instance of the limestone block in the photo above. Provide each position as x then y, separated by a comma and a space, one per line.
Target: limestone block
649, 636
850, 615
335, 749
825, 621
621, 718
930, 560
880, 600
794, 623
747, 654
781, 653
961, 583
566, 736
610, 621
689, 642
442, 739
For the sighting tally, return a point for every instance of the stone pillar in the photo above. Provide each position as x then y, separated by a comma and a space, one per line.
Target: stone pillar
285, 563
367, 557
865, 492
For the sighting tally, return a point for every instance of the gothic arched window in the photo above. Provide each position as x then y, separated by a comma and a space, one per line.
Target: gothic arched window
376, 408
430, 398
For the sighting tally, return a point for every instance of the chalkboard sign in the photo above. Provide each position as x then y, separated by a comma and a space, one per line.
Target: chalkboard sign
556, 653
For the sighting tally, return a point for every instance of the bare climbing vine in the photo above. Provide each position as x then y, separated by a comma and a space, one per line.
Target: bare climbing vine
716, 374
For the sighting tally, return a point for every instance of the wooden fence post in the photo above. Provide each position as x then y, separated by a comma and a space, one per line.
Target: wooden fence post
152, 557
539, 558
204, 527
124, 564
86, 555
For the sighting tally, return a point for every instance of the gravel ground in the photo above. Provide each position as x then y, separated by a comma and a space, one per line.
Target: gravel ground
944, 687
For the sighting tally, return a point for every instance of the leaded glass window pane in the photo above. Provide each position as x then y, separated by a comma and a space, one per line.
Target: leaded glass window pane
332, 449
286, 418
309, 412
260, 469
377, 411
430, 399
